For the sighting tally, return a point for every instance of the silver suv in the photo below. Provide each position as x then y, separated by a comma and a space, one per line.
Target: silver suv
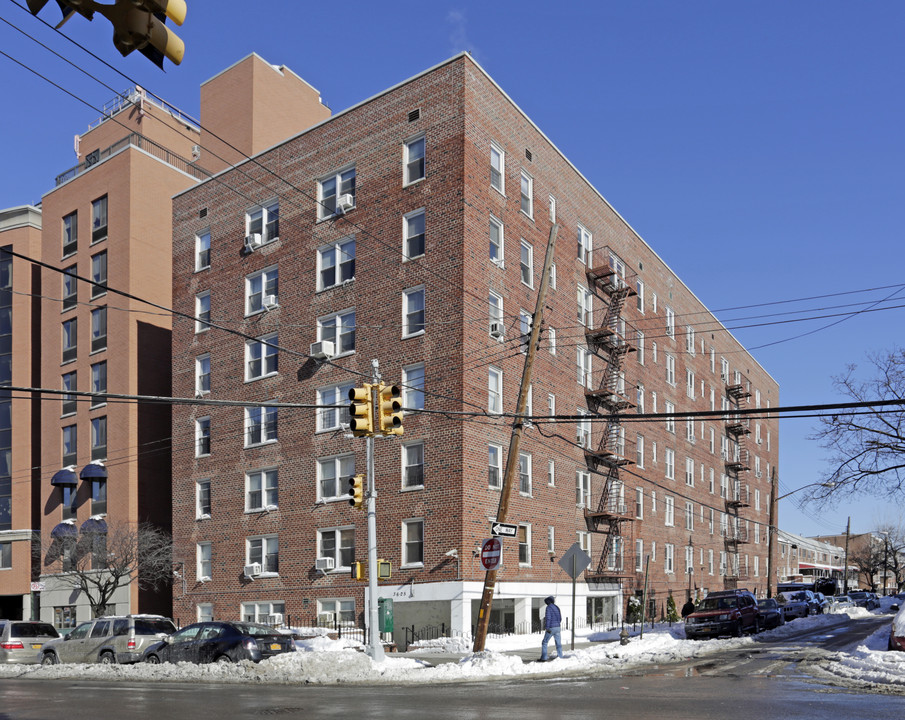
21, 639
109, 640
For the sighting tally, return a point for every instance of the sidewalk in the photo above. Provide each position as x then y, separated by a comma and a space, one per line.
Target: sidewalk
528, 654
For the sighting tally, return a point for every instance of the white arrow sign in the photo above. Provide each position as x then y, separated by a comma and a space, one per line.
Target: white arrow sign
503, 529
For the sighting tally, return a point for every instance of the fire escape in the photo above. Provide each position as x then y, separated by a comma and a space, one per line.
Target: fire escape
735, 460
611, 340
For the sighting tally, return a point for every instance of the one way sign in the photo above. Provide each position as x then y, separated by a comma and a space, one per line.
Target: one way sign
503, 529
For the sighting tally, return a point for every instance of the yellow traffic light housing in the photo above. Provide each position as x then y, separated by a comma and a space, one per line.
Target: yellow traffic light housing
390, 409
361, 411
358, 571
356, 491
384, 569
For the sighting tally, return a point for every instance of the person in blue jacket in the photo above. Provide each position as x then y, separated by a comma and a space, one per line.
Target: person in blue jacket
552, 624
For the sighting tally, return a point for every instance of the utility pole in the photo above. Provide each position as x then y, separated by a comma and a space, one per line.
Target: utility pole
516, 438
771, 531
375, 647
848, 527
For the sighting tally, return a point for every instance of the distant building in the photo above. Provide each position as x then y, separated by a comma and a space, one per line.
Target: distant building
804, 559
412, 228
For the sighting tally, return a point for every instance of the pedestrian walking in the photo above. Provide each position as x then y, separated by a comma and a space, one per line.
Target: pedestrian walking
552, 626
688, 608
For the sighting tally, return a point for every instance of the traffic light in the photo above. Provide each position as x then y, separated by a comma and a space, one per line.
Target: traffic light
137, 24
384, 569
390, 409
356, 491
358, 571
361, 411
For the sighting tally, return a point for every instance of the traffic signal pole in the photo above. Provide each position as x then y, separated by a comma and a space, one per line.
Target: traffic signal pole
375, 646
515, 441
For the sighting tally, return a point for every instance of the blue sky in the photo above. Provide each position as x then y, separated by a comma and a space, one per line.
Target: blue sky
757, 147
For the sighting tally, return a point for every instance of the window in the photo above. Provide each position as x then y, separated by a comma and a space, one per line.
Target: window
527, 194
669, 553
202, 436
336, 263
412, 312
99, 219
527, 264
524, 473
70, 288
6, 555
336, 611
496, 316
414, 160
670, 322
552, 209
70, 339
494, 390
264, 221
203, 500
98, 438
70, 403
413, 387
260, 425
203, 567
203, 374
525, 321
585, 307
640, 336
689, 471
70, 444
670, 369
669, 409
330, 418
338, 544
202, 312
496, 241
98, 497
204, 612
413, 542
495, 466
689, 340
639, 452
264, 550
584, 245
261, 490
497, 168
669, 459
639, 555
524, 544
551, 404
553, 276
639, 289
551, 335
584, 540
639, 398
413, 231
333, 474
203, 250
70, 233
583, 429
261, 290
689, 383
98, 329
689, 515
413, 465
332, 187
339, 329
68, 493
551, 473
261, 611
639, 503
582, 488
585, 375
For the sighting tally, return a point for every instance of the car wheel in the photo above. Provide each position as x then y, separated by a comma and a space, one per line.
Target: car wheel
756, 627
49, 659
108, 658
223, 660
153, 659
738, 629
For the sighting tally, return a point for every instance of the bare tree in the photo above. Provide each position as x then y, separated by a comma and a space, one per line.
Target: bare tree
893, 560
101, 561
867, 448
869, 561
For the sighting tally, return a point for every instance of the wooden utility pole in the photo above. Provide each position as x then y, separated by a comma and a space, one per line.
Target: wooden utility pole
848, 527
516, 439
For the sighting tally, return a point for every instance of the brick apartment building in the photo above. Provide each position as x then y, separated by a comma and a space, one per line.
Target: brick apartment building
412, 229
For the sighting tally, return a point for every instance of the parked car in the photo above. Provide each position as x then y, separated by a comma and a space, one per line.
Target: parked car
727, 612
111, 639
221, 642
20, 640
862, 598
771, 614
897, 632
794, 604
840, 602
820, 604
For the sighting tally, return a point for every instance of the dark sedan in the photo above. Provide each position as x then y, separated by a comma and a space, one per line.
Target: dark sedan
770, 613
221, 642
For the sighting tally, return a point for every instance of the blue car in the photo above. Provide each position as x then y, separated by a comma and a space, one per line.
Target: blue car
220, 642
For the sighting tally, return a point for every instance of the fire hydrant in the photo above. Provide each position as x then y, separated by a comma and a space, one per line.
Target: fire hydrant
623, 637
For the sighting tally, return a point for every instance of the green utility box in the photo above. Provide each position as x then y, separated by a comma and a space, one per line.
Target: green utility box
385, 614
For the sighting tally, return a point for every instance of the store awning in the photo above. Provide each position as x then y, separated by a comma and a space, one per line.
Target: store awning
94, 525
93, 471
66, 476
64, 530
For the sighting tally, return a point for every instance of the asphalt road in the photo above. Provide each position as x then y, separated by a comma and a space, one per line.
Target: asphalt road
763, 681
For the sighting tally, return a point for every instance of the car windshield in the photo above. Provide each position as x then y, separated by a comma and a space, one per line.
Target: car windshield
766, 603
152, 626
33, 630
718, 604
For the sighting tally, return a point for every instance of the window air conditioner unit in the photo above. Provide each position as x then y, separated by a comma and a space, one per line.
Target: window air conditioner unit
322, 350
324, 563
269, 302
496, 330
345, 202
253, 570
276, 619
253, 241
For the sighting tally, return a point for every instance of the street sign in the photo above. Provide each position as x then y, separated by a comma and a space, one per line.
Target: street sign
574, 561
491, 554
503, 529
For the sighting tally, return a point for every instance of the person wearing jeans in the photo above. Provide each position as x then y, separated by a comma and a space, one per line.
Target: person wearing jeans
552, 625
